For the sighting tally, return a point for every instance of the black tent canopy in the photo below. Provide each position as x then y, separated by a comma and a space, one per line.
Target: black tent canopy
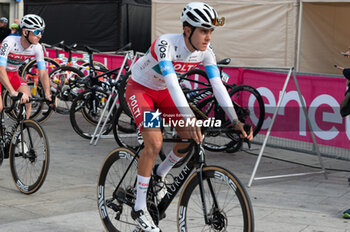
105, 25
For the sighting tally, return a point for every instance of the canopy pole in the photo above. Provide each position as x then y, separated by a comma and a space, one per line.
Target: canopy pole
299, 35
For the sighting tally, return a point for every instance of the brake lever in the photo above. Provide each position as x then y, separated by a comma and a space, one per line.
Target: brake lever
247, 127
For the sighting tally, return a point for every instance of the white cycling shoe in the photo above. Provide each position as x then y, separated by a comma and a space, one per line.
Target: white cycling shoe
144, 220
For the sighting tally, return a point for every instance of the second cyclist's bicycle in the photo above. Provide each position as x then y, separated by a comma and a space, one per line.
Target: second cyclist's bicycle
26, 146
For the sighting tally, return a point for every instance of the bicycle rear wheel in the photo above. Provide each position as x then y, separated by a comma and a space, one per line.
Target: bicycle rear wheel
114, 205
86, 111
124, 130
29, 157
227, 203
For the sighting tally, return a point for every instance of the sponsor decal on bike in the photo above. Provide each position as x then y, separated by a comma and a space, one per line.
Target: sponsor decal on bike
182, 217
221, 176
101, 205
20, 185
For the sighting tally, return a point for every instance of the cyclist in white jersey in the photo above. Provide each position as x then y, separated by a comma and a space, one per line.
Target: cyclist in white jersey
15, 50
154, 85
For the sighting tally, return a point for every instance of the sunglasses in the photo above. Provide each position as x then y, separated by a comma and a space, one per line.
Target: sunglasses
218, 22
37, 32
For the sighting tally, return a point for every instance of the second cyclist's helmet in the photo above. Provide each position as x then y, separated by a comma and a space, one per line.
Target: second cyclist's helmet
32, 22
199, 14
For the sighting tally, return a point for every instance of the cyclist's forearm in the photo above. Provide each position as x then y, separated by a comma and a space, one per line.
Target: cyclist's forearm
44, 79
178, 96
5, 80
223, 98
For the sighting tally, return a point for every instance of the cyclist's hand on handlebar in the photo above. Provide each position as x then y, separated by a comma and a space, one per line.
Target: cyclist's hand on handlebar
195, 132
24, 98
52, 99
239, 126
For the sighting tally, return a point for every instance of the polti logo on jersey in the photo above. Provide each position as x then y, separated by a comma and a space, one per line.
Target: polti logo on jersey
151, 119
184, 67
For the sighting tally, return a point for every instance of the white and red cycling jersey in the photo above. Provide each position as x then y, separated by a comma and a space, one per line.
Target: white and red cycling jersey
158, 70
12, 54
168, 48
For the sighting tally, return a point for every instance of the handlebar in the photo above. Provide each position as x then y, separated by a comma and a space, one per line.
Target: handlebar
247, 128
17, 98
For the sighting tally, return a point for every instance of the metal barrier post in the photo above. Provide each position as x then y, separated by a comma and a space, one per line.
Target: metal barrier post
290, 73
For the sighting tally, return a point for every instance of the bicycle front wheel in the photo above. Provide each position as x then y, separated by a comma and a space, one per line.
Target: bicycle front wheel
228, 206
114, 205
29, 157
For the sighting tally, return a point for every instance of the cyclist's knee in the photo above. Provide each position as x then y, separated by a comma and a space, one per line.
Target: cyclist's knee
153, 141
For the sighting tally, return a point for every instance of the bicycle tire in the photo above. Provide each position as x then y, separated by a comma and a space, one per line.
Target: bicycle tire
111, 172
121, 93
83, 118
29, 170
240, 95
233, 211
31, 68
60, 81
125, 132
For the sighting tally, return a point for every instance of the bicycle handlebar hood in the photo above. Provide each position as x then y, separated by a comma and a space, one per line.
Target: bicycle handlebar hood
32, 22
199, 14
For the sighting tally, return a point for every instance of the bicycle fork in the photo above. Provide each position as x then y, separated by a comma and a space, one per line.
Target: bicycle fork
199, 170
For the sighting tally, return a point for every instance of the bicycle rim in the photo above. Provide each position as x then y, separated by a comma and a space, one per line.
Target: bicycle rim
116, 214
232, 213
249, 106
124, 130
84, 116
29, 157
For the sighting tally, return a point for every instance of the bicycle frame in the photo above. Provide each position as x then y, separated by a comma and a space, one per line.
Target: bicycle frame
196, 162
129, 56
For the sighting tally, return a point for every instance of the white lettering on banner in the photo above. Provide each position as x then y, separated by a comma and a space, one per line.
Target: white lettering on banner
324, 99
270, 106
333, 117
289, 96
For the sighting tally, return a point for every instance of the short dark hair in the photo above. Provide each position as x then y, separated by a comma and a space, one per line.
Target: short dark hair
186, 24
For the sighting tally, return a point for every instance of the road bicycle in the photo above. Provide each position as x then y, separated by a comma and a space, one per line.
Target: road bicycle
26, 146
212, 198
87, 109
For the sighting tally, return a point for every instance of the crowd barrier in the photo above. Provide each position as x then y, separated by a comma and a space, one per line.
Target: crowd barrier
321, 93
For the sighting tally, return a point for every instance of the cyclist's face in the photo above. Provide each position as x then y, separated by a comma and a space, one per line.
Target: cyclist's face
201, 38
34, 39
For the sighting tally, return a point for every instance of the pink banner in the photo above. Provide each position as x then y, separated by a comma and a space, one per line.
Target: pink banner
322, 95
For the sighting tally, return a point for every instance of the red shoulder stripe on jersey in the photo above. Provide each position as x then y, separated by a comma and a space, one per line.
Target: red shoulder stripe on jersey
153, 53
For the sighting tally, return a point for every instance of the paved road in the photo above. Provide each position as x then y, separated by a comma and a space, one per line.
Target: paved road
67, 200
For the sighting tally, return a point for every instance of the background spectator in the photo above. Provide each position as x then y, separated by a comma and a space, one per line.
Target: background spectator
14, 27
4, 30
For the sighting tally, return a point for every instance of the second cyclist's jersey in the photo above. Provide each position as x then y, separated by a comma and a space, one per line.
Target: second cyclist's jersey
169, 47
12, 54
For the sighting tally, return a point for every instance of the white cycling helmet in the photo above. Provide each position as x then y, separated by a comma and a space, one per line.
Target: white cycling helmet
199, 14
32, 22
